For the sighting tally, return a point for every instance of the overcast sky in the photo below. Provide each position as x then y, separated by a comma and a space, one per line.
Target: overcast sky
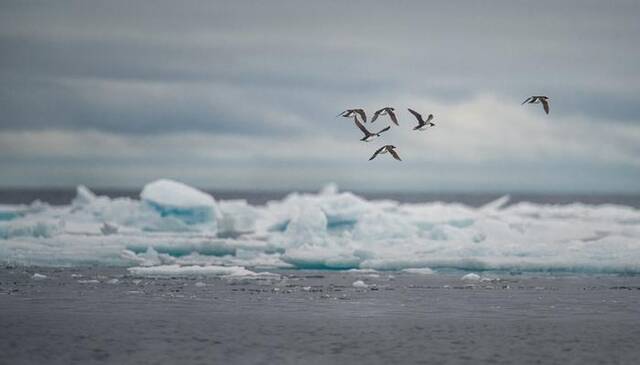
243, 94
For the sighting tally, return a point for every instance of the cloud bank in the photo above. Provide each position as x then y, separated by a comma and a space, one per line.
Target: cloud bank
244, 94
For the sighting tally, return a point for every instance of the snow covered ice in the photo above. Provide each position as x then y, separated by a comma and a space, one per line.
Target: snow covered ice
174, 228
471, 277
359, 284
172, 198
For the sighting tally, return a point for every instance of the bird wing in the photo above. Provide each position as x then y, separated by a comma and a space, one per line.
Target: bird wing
393, 117
347, 113
527, 99
545, 105
429, 118
362, 128
416, 114
376, 115
384, 129
376, 153
394, 154
363, 115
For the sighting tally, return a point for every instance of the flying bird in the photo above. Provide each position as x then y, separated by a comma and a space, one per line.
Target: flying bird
352, 112
384, 149
386, 111
422, 124
368, 136
539, 99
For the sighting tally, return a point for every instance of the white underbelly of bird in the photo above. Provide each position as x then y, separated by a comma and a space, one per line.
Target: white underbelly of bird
425, 127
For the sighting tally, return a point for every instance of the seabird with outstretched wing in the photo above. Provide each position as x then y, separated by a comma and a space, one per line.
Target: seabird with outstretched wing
538, 99
384, 149
386, 111
422, 124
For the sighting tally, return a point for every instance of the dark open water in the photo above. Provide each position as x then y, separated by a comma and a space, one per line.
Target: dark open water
105, 315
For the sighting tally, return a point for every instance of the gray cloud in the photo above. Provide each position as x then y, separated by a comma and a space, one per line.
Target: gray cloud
277, 72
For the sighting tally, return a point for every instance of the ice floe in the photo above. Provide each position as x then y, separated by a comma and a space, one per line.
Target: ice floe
359, 284
194, 270
174, 226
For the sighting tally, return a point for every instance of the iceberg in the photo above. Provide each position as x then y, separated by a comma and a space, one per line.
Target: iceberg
175, 199
237, 217
178, 226
471, 277
27, 228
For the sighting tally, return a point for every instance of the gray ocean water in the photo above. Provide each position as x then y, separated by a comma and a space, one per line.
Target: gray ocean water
108, 315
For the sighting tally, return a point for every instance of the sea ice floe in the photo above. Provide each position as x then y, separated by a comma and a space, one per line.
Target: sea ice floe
471, 277
108, 228
174, 224
362, 271
27, 228
89, 281
187, 271
420, 271
175, 199
359, 284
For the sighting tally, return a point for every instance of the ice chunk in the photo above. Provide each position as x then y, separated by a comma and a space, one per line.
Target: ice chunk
319, 258
37, 276
471, 277
362, 271
237, 217
149, 258
186, 271
84, 196
343, 208
8, 213
420, 271
175, 199
379, 225
496, 204
27, 228
359, 284
308, 226
108, 228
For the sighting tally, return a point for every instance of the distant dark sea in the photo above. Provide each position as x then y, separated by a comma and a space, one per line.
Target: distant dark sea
64, 196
